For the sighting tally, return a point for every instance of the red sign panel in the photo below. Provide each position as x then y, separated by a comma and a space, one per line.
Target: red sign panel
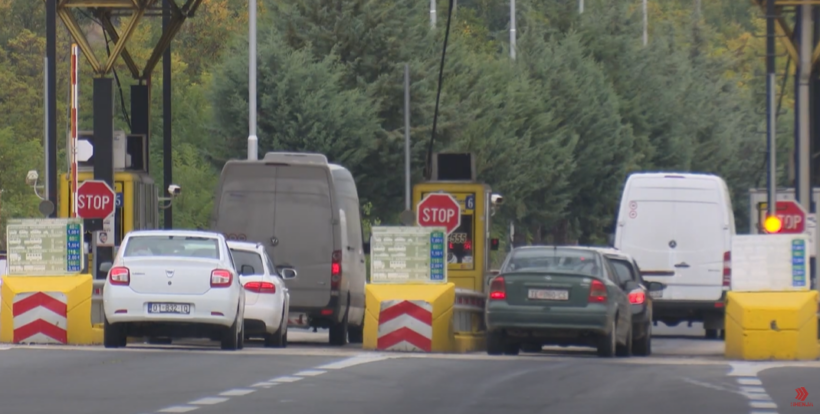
95, 200
439, 210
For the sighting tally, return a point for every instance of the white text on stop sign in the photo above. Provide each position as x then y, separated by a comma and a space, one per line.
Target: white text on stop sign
437, 215
93, 202
791, 221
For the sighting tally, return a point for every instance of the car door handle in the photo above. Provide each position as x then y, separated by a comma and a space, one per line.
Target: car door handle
682, 264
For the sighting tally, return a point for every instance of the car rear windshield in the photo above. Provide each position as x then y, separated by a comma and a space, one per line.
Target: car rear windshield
252, 259
551, 259
178, 246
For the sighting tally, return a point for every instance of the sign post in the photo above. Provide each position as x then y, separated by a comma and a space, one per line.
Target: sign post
97, 200
439, 210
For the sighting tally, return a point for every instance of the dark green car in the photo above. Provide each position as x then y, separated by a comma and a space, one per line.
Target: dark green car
554, 295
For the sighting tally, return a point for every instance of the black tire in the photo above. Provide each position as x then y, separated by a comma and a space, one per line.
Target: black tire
114, 335
530, 347
230, 338
643, 346
355, 334
495, 343
711, 334
240, 340
277, 339
338, 333
626, 349
512, 348
608, 343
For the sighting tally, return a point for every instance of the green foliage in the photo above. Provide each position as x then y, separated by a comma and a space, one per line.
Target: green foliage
556, 131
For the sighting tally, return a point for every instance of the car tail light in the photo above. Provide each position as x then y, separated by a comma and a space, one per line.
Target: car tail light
637, 297
221, 278
260, 287
727, 270
597, 292
336, 270
498, 289
119, 276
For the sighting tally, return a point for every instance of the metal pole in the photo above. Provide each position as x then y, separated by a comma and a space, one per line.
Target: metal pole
253, 141
45, 120
433, 14
580, 6
803, 193
51, 101
645, 24
407, 136
167, 130
771, 109
697, 7
512, 29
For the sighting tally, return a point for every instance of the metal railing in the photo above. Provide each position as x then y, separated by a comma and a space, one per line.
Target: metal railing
468, 311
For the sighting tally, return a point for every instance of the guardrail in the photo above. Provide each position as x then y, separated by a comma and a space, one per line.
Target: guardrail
97, 301
468, 311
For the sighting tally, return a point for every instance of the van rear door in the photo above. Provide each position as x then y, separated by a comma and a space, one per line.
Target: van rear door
676, 233
246, 203
304, 229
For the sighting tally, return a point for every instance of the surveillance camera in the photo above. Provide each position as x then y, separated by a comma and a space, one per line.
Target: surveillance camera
32, 177
174, 190
497, 199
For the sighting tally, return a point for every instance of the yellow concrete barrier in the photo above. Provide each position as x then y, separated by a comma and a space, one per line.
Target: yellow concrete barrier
47, 309
772, 325
409, 318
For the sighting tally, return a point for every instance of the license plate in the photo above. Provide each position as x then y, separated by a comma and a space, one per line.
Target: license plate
657, 294
546, 294
177, 308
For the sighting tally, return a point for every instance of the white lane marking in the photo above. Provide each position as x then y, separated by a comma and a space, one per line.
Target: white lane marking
4, 348
178, 409
209, 401
764, 412
285, 379
310, 373
356, 360
263, 385
749, 381
238, 392
757, 396
761, 404
753, 390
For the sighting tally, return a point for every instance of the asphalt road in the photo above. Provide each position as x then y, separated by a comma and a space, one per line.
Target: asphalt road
687, 374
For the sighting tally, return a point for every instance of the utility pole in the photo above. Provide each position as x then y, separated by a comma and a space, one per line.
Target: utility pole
645, 24
512, 29
803, 190
432, 14
771, 177
407, 137
580, 6
253, 141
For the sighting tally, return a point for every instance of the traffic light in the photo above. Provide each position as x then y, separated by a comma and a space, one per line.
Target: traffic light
493, 244
772, 225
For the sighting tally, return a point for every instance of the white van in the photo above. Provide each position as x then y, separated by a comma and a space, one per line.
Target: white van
297, 205
679, 228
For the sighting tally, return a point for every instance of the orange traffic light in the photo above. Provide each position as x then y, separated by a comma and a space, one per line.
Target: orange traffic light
772, 224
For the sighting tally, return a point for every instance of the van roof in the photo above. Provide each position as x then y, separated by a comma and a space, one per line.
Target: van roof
674, 175
296, 157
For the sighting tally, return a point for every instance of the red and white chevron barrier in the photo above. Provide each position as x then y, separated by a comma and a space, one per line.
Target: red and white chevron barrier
405, 325
40, 317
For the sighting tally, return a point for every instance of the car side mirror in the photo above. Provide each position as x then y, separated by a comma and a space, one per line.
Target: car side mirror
288, 272
105, 267
655, 286
247, 270
366, 247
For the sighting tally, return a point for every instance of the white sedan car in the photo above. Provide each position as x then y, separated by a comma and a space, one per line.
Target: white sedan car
266, 296
174, 284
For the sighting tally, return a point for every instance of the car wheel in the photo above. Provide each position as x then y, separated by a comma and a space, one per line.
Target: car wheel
240, 340
626, 349
711, 334
643, 346
338, 332
355, 334
607, 343
230, 339
512, 348
277, 339
495, 343
113, 335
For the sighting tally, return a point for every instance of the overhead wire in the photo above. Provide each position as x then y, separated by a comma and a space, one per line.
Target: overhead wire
428, 167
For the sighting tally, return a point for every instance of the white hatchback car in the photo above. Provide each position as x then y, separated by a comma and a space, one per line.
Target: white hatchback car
266, 296
174, 284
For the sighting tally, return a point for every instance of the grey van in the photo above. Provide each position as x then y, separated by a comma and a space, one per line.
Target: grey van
306, 212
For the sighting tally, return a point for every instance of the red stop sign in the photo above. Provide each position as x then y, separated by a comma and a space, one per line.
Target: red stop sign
439, 210
95, 200
792, 215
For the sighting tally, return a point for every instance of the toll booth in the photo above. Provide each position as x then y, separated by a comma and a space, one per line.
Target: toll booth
469, 245
137, 196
